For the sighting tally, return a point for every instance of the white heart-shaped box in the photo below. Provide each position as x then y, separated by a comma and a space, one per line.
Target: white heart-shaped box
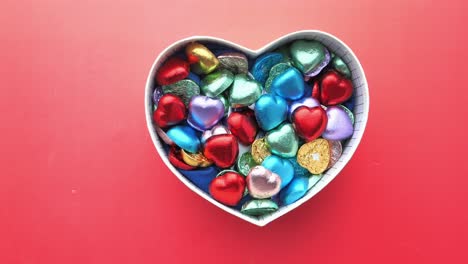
361, 110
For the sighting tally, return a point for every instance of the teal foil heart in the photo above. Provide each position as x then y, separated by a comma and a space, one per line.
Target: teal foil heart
309, 56
216, 82
283, 141
289, 84
280, 166
270, 111
185, 137
244, 91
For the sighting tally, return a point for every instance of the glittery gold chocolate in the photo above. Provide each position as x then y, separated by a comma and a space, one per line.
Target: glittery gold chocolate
314, 156
260, 150
195, 159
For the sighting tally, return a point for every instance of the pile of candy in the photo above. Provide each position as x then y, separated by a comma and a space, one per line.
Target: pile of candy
254, 133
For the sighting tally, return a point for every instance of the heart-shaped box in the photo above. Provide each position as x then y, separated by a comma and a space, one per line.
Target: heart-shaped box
360, 111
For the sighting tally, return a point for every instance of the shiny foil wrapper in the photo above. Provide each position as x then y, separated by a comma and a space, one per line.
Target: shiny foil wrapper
314, 156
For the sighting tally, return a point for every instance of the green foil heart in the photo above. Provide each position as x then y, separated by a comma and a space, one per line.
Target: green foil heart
244, 91
307, 54
184, 89
283, 141
259, 207
217, 82
245, 163
340, 66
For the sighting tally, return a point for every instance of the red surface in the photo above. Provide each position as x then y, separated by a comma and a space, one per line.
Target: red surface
81, 181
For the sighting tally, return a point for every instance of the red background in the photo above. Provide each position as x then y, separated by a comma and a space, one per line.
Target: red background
82, 183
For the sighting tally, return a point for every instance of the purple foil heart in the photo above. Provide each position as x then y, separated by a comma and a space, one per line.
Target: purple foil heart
204, 112
339, 125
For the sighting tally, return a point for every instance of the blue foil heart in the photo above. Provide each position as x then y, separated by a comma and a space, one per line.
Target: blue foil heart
296, 189
202, 177
185, 137
280, 166
263, 64
270, 111
289, 84
204, 112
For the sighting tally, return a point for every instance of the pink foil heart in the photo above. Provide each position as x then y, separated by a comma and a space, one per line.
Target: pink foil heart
263, 183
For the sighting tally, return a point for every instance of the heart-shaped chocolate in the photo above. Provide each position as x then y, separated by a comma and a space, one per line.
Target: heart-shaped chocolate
263, 183
283, 141
228, 188
339, 125
280, 166
306, 101
309, 122
184, 137
334, 89
217, 82
243, 126
244, 91
222, 150
171, 111
173, 70
204, 112
215, 54
289, 84
270, 110
309, 56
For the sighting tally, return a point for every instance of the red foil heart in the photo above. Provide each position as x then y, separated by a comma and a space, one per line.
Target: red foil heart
171, 110
228, 188
316, 90
243, 125
334, 89
310, 123
173, 70
222, 150
175, 158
